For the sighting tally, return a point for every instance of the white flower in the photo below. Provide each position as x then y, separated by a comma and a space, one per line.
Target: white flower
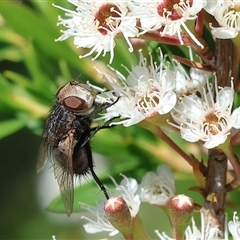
127, 111
227, 14
157, 188
190, 83
101, 224
234, 227
128, 190
96, 24
168, 17
206, 119
146, 92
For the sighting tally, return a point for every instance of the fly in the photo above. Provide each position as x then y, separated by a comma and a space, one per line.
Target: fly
66, 139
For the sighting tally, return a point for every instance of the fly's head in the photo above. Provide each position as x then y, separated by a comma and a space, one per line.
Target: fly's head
76, 97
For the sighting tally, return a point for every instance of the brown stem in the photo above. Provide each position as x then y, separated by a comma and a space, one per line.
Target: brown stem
205, 53
213, 211
217, 162
226, 67
172, 40
235, 183
174, 146
190, 63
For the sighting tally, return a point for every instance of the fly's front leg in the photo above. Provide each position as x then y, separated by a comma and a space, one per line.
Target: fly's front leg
96, 129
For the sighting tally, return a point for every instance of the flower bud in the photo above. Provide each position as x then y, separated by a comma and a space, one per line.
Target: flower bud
118, 214
181, 209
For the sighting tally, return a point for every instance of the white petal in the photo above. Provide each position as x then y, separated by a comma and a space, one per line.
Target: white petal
130, 184
215, 141
224, 32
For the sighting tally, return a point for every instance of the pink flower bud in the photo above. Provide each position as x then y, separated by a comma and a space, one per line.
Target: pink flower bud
181, 209
118, 214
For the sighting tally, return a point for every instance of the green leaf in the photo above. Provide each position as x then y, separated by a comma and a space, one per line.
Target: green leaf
236, 100
10, 53
36, 28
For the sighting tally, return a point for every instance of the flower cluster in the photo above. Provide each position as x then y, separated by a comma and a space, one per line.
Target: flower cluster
96, 24
161, 94
146, 92
157, 189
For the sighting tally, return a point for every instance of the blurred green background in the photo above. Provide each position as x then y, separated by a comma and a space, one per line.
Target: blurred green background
32, 67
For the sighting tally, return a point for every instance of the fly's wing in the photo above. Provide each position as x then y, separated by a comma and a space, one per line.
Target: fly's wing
64, 176
63, 169
42, 156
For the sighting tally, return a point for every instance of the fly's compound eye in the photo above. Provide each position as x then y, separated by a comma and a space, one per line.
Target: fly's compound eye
75, 103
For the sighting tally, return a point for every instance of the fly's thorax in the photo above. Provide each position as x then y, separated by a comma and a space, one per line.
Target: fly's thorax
58, 124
